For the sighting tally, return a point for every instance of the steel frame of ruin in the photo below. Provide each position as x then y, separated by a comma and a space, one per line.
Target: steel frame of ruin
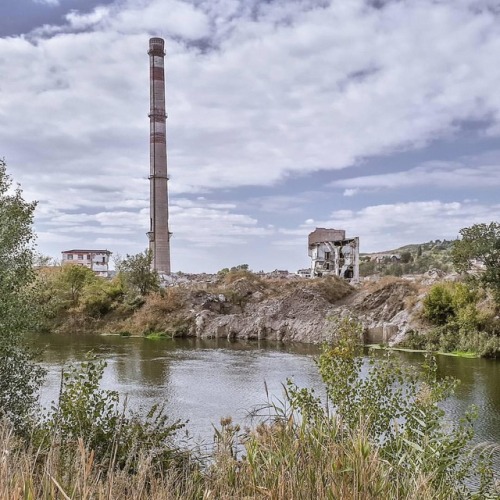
159, 235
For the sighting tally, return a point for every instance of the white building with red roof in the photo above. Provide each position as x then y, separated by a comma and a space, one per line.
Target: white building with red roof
97, 260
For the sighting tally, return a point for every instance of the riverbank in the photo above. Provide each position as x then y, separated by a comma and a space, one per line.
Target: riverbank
316, 460
457, 354
243, 305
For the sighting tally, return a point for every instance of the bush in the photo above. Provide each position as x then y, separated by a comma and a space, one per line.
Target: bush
460, 325
99, 296
94, 416
447, 301
381, 434
438, 304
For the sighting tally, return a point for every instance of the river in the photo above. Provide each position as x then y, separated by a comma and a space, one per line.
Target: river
203, 380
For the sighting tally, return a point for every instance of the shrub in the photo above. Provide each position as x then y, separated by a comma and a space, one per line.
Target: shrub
117, 438
461, 326
438, 304
381, 433
99, 296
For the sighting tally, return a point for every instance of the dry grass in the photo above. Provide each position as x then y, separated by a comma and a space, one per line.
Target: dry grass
332, 288
161, 312
383, 282
284, 460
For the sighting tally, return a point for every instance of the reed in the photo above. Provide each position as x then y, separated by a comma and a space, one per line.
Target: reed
280, 460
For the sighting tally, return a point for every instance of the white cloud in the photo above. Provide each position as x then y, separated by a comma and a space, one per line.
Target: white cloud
447, 175
256, 92
273, 97
351, 191
80, 21
47, 2
386, 226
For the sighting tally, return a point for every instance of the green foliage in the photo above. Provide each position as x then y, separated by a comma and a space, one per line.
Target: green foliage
450, 339
222, 272
99, 296
447, 301
73, 278
85, 411
460, 325
117, 438
72, 294
241, 267
438, 304
414, 259
480, 244
406, 257
397, 407
367, 268
137, 273
16, 258
380, 434
20, 377
20, 380
394, 269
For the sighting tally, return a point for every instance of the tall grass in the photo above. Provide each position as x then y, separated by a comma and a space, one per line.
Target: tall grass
281, 460
381, 436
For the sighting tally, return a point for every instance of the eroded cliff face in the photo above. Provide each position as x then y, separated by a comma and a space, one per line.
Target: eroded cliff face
248, 307
303, 312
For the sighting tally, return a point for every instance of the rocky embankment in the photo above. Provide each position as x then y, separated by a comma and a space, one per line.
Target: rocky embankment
286, 310
303, 313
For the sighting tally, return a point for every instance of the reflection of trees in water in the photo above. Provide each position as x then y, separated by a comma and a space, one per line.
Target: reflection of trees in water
63, 349
480, 386
206, 372
144, 363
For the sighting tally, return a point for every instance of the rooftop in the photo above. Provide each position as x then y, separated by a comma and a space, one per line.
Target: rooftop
87, 251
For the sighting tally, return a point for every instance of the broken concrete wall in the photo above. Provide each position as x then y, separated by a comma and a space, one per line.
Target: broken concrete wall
332, 253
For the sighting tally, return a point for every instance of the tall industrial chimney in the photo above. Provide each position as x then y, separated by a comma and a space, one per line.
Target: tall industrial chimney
159, 235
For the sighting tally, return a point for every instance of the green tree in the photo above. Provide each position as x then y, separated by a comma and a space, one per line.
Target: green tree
406, 257
73, 279
137, 273
478, 254
240, 267
20, 377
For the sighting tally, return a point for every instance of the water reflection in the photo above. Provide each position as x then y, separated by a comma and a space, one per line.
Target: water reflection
203, 379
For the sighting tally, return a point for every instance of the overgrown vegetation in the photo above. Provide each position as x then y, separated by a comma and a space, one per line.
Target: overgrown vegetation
73, 299
410, 259
463, 320
20, 376
477, 253
102, 423
380, 434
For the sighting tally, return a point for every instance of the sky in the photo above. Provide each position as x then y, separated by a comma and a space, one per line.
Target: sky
379, 117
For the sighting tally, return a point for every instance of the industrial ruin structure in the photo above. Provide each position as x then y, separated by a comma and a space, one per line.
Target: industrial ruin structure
159, 235
96, 260
332, 253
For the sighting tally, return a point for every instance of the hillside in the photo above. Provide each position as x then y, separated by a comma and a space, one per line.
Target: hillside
415, 258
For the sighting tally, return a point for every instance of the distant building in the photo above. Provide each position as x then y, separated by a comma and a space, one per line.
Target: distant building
96, 260
332, 253
304, 273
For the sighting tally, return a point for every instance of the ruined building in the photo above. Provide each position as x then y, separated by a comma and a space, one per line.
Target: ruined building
332, 253
159, 235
